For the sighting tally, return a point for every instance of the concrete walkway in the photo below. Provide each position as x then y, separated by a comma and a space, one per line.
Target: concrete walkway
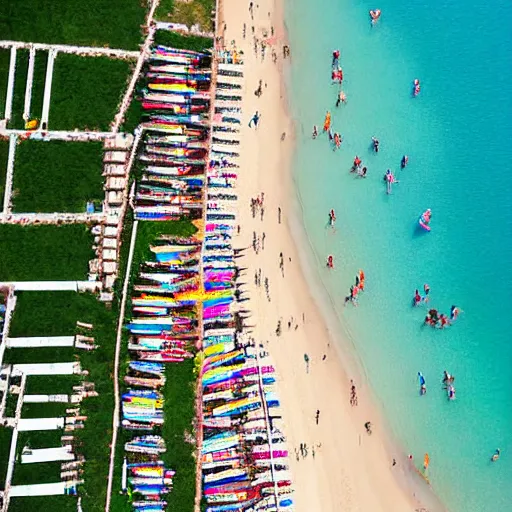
78, 50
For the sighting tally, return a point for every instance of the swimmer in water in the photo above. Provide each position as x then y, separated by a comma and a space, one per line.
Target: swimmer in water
315, 132
496, 455
342, 98
423, 384
332, 217
363, 172
417, 297
454, 313
330, 261
335, 58
375, 144
404, 162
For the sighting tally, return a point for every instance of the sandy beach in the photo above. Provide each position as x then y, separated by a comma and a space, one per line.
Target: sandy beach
341, 467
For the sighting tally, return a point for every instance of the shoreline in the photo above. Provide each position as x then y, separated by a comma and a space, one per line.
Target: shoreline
408, 477
398, 487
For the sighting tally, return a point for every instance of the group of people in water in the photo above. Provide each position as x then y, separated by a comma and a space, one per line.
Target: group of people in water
440, 320
433, 317
358, 167
355, 289
447, 381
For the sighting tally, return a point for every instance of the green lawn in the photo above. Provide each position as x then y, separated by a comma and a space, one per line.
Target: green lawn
53, 503
49, 410
4, 155
86, 91
5, 57
54, 384
114, 23
45, 253
5, 446
189, 13
175, 40
57, 176
20, 82
39, 439
55, 314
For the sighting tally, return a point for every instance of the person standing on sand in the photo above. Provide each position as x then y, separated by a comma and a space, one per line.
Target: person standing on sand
306, 360
317, 416
255, 119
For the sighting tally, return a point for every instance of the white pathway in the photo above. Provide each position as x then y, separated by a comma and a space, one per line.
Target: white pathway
59, 135
50, 218
71, 368
48, 88
31, 424
61, 453
30, 80
53, 286
10, 173
78, 50
40, 341
38, 490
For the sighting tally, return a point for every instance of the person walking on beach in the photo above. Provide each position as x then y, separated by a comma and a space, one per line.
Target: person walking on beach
255, 119
306, 360
317, 416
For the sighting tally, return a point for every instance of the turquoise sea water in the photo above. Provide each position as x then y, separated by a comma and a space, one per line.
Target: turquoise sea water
458, 135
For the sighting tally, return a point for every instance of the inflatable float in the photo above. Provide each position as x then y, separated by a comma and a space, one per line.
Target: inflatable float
424, 220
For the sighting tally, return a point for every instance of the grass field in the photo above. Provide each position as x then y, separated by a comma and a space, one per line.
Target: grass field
175, 40
86, 91
20, 82
53, 503
189, 13
42, 253
4, 155
4, 78
114, 23
57, 176
5, 446
55, 314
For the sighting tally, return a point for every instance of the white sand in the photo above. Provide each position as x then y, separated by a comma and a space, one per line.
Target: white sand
350, 470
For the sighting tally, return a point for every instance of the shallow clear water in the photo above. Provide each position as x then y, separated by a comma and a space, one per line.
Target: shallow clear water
458, 136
